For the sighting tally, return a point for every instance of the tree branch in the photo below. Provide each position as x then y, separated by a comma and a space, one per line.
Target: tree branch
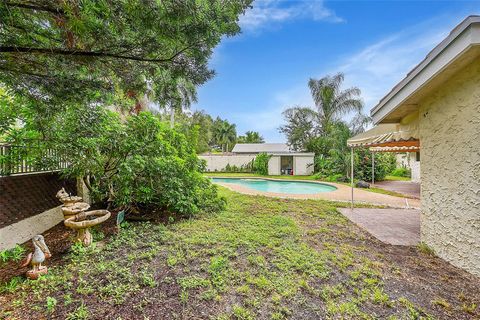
34, 7
56, 51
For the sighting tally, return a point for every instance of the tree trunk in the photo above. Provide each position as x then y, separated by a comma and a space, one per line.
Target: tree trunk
172, 117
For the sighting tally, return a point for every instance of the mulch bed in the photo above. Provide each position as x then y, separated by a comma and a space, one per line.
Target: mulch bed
59, 239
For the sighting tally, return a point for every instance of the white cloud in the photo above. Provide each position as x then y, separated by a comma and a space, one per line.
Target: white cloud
378, 67
375, 69
267, 12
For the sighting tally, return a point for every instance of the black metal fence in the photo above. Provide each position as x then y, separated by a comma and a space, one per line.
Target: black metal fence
25, 159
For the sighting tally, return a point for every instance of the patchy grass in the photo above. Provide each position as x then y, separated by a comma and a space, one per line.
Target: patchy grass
261, 258
396, 178
15, 254
383, 191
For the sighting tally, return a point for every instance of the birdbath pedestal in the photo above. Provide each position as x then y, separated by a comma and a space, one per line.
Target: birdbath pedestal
83, 221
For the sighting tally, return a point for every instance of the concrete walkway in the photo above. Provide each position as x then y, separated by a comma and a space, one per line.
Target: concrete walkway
343, 193
407, 188
392, 226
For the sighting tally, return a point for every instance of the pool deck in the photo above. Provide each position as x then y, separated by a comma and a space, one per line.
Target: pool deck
407, 188
391, 226
343, 194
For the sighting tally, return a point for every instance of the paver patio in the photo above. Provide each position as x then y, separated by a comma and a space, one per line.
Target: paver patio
407, 188
392, 226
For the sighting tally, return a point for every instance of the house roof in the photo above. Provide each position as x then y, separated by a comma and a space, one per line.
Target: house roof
458, 49
261, 147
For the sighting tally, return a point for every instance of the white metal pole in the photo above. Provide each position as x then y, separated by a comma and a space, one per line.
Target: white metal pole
373, 167
351, 172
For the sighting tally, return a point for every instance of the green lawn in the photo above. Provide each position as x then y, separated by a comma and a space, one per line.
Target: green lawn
261, 258
395, 178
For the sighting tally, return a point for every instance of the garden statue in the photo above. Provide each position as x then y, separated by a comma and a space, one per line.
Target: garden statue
67, 199
362, 184
85, 220
37, 258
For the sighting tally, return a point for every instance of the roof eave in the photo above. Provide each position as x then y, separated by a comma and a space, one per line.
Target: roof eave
463, 37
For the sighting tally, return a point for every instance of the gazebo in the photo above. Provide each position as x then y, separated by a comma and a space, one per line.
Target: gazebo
387, 137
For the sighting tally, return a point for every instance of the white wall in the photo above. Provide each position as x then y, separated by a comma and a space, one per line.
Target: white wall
303, 165
408, 159
219, 162
449, 135
274, 166
415, 167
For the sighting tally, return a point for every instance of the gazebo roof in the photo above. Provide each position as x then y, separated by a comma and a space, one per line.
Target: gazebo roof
388, 136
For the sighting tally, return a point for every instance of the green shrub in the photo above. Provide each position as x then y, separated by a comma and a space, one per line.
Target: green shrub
401, 172
141, 162
384, 163
260, 163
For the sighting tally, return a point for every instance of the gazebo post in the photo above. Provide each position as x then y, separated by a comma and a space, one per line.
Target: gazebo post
351, 172
373, 167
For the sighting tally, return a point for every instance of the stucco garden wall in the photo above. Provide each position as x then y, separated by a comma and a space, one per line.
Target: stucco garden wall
449, 121
219, 162
303, 165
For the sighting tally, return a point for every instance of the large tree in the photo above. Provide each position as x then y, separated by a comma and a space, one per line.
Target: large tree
331, 104
90, 50
300, 127
224, 133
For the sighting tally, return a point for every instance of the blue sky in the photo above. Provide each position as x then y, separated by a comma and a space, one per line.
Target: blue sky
265, 70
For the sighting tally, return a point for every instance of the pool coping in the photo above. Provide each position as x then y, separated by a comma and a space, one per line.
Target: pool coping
341, 194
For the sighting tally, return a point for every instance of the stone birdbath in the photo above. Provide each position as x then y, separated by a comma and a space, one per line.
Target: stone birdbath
74, 209
83, 221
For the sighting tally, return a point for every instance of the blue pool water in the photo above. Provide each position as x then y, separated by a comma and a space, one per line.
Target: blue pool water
291, 187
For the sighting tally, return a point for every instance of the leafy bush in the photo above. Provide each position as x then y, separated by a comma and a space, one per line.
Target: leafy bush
384, 163
336, 167
233, 168
260, 163
401, 172
140, 162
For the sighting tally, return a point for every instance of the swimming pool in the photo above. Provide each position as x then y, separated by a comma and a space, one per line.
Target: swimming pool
276, 186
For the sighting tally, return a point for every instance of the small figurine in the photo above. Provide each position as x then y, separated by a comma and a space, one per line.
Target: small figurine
37, 258
67, 199
62, 194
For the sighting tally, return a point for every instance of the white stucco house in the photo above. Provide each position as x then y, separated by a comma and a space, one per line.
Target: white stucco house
283, 160
435, 110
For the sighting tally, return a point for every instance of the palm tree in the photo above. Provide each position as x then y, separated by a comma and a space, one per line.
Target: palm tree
225, 134
331, 102
178, 94
253, 137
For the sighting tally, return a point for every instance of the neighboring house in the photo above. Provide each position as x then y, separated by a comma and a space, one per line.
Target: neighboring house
283, 160
436, 108
410, 160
